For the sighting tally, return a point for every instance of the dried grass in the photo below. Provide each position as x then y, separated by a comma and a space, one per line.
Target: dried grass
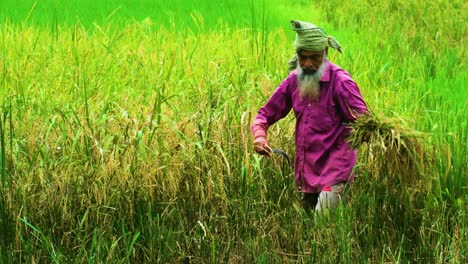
391, 149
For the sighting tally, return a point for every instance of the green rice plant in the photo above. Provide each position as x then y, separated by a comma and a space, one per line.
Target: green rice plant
132, 144
3, 145
195, 16
54, 255
395, 158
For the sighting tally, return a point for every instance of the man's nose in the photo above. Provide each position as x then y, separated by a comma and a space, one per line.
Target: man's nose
308, 64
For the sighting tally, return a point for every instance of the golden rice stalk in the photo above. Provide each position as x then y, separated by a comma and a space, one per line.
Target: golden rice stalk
390, 149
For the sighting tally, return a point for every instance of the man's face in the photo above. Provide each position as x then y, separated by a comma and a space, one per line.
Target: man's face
310, 61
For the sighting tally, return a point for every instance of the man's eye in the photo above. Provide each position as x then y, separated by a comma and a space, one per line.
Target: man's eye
314, 58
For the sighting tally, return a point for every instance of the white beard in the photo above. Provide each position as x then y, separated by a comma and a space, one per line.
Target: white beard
309, 84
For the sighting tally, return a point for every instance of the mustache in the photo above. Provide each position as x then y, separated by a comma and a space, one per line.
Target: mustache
309, 75
309, 71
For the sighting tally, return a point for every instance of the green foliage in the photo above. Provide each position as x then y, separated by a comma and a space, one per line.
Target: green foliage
130, 142
194, 15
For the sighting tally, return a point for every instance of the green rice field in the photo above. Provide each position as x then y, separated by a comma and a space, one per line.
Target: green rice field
124, 132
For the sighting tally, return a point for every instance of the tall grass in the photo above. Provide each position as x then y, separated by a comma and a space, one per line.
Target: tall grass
133, 145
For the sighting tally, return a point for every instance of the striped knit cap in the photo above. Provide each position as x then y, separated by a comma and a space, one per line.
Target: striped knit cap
310, 37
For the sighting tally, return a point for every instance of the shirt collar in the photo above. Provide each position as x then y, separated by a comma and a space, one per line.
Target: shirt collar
326, 74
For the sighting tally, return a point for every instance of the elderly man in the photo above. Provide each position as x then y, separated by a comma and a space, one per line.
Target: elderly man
324, 98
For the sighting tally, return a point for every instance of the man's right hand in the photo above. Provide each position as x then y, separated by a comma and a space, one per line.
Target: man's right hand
262, 147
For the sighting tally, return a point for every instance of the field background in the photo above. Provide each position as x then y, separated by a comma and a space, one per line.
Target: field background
124, 132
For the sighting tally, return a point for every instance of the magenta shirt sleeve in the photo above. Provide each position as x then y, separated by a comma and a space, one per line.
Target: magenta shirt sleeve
350, 101
277, 107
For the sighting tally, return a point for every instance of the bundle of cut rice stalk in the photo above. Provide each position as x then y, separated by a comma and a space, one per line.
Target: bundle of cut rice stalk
391, 150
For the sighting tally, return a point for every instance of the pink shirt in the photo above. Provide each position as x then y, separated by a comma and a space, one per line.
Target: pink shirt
323, 157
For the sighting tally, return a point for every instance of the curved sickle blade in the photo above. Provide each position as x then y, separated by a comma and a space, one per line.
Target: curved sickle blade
282, 153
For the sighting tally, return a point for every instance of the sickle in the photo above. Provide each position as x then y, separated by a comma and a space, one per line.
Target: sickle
282, 153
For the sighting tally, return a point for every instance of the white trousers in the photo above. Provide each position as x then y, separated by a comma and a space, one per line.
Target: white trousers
330, 199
